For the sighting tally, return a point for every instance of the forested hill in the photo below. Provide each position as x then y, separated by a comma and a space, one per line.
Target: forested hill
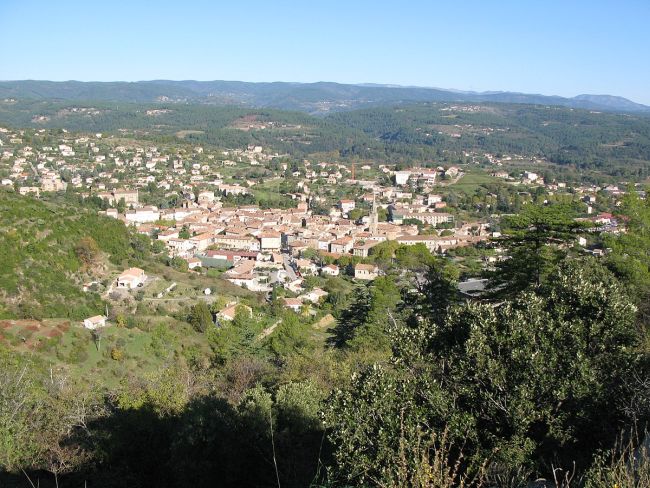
48, 249
316, 98
617, 144
612, 143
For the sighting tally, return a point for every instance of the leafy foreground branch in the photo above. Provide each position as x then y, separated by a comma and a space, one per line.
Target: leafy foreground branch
531, 388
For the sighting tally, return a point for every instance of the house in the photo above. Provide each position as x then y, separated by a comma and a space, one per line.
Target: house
270, 241
402, 177
142, 215
245, 242
433, 199
52, 183
314, 296
431, 218
342, 245
25, 190
366, 271
452, 171
130, 196
131, 278
205, 197
297, 247
346, 205
362, 249
233, 256
228, 314
94, 322
330, 270
179, 247
202, 241
232, 189
294, 304
306, 266
529, 176
246, 280
243, 267
193, 263
432, 243
166, 234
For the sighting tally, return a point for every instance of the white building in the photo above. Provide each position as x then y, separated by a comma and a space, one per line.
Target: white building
402, 177
93, 323
330, 270
131, 278
270, 241
143, 215
366, 271
346, 205
530, 176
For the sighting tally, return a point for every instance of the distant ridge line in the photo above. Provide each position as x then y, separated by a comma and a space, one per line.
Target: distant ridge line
315, 98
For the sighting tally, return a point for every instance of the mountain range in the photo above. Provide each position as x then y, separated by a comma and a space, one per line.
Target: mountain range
314, 98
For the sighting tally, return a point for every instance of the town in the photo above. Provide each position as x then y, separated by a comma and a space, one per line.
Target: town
324, 244
323, 218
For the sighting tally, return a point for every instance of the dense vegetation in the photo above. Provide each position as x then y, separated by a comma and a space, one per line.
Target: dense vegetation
411, 385
47, 248
614, 144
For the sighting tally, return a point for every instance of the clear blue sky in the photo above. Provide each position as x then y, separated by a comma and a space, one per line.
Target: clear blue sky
552, 47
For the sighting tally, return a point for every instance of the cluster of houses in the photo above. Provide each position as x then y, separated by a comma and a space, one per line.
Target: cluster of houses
266, 247
260, 247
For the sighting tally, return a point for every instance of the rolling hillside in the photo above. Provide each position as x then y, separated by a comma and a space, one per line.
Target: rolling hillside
315, 98
615, 144
41, 273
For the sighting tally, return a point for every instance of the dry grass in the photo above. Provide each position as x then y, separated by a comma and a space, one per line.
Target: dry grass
625, 466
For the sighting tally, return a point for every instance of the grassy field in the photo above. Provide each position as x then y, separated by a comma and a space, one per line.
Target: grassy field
107, 355
471, 181
184, 133
269, 191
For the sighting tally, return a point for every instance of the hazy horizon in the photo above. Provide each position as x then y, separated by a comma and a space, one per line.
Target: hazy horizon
552, 49
367, 83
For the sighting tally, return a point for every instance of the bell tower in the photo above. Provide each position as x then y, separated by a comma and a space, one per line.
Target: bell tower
373, 216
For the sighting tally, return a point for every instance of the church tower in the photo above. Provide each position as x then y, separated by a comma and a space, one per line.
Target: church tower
374, 219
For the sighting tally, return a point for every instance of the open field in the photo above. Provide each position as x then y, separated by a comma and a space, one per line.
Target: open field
471, 181
107, 355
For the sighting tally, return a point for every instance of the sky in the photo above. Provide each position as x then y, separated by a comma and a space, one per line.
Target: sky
551, 47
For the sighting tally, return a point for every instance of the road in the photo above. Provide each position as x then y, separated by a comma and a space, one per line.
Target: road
288, 268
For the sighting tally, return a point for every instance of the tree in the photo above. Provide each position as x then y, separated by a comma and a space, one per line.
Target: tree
630, 256
200, 317
179, 264
158, 246
42, 427
537, 381
121, 205
184, 233
536, 240
141, 245
384, 252
120, 321
290, 337
87, 250
356, 213
364, 325
20, 407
